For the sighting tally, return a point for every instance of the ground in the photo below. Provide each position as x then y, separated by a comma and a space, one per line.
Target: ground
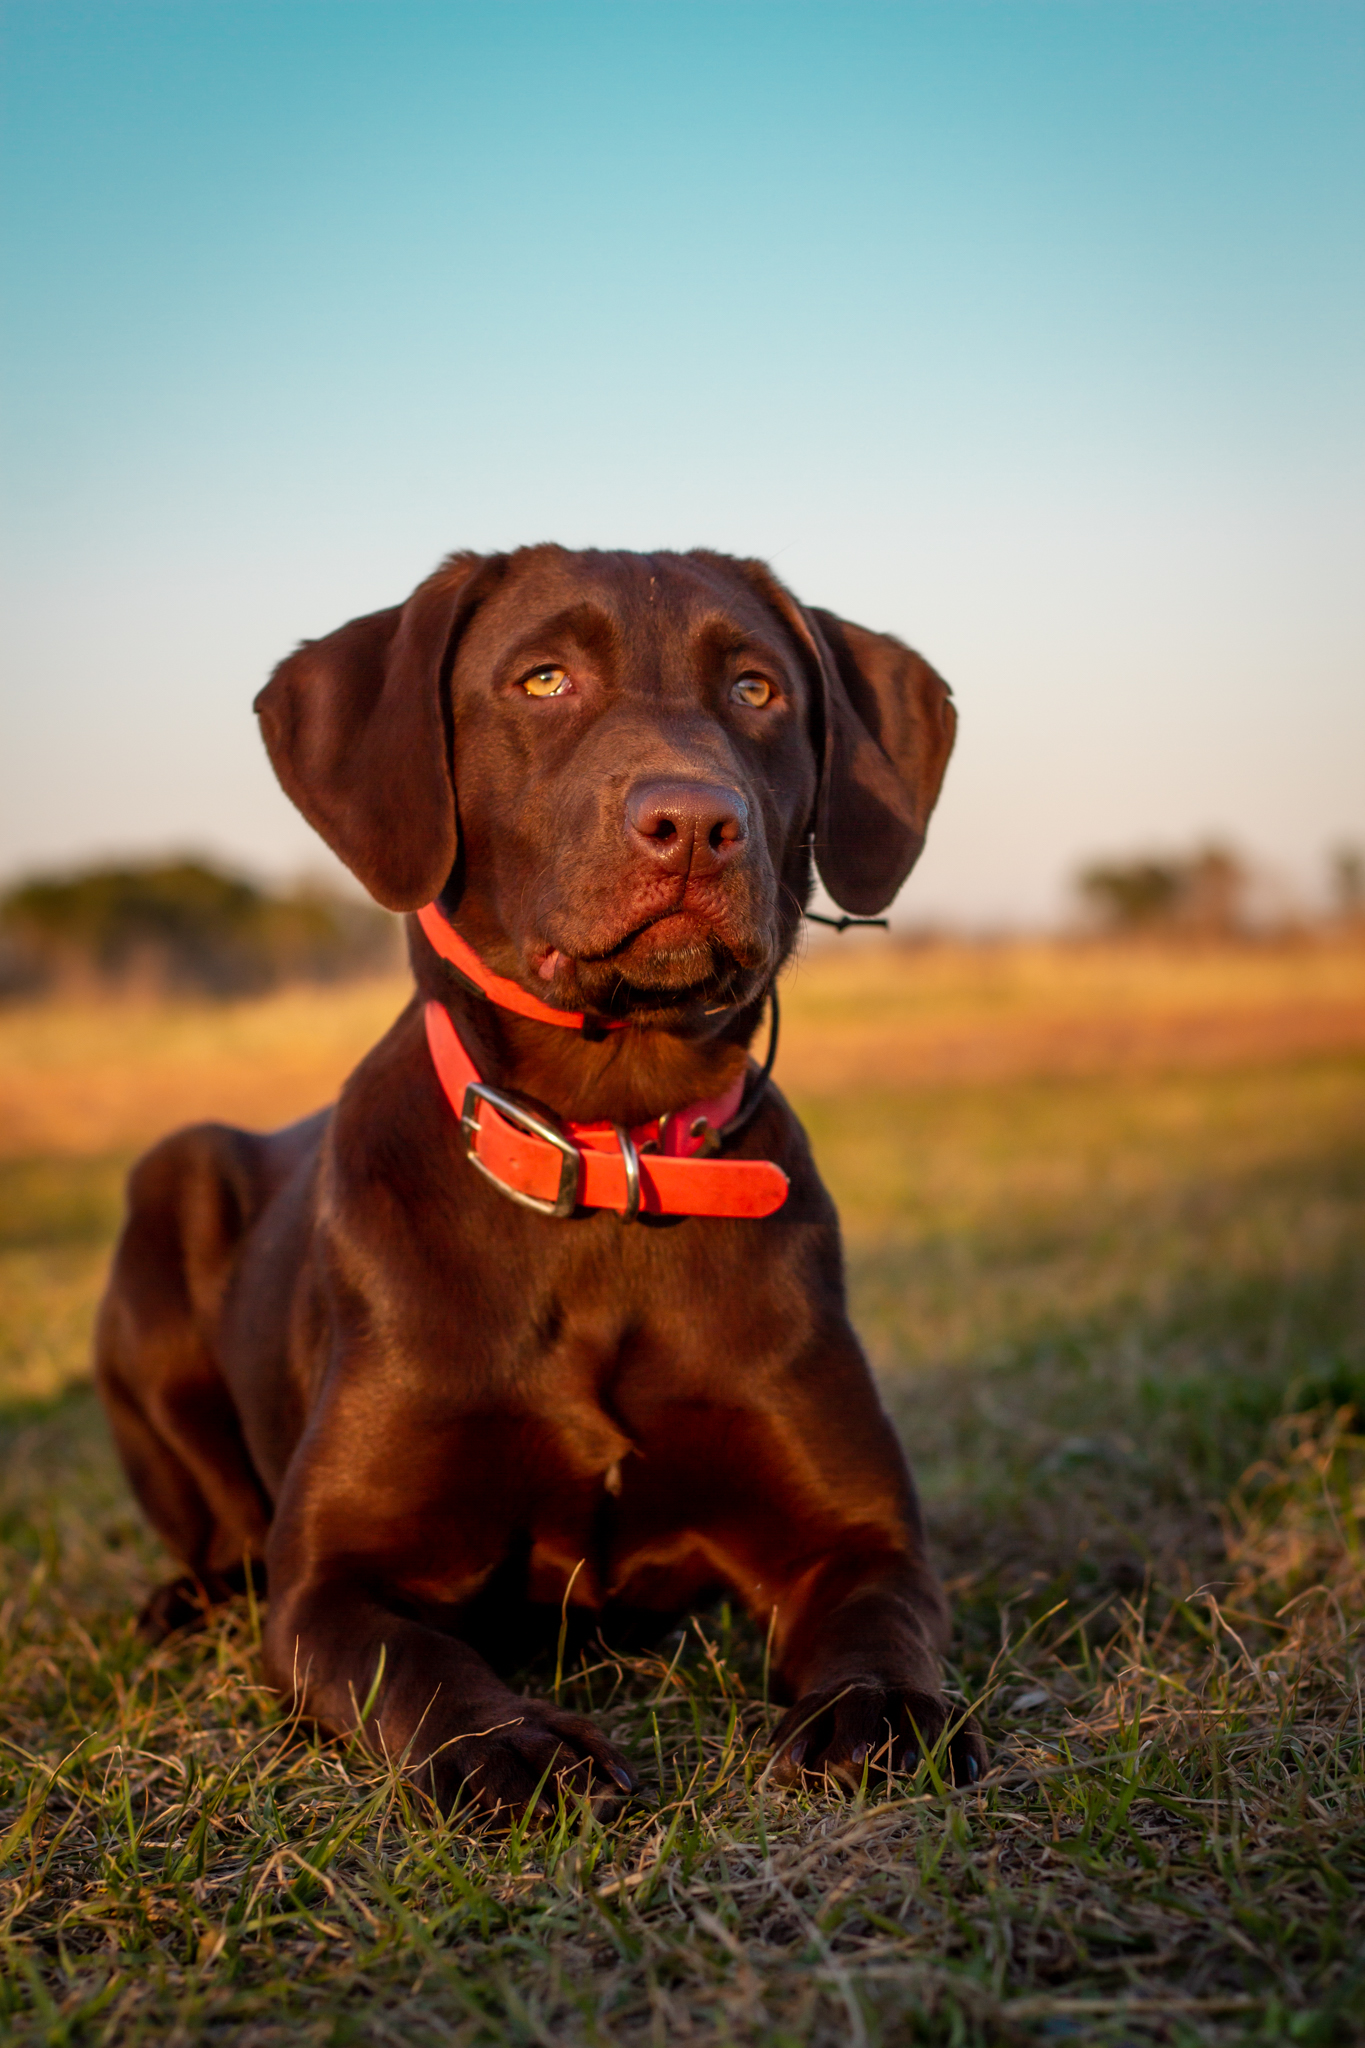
1104, 1213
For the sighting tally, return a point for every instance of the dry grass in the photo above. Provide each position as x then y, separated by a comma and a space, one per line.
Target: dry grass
890, 1016
1119, 1313
109, 1077
87, 1078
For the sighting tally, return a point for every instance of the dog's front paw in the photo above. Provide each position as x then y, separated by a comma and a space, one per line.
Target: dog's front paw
512, 1757
186, 1604
842, 1731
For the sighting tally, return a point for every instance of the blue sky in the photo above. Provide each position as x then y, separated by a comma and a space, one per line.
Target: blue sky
1030, 332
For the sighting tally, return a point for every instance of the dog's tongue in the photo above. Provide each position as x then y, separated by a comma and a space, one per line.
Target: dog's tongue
546, 969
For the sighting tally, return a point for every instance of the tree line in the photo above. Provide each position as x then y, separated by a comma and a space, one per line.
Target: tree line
1205, 894
183, 927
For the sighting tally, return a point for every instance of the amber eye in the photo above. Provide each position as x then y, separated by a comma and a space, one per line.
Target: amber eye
546, 682
755, 691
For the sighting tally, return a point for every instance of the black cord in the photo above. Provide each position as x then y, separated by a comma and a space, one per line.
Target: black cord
750, 1106
845, 924
753, 1098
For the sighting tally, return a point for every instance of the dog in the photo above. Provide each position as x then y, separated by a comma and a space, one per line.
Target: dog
547, 1313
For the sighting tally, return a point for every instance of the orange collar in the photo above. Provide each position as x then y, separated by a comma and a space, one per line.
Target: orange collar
657, 1169
508, 995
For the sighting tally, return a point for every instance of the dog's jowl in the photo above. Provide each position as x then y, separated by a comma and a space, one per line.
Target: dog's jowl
553, 1295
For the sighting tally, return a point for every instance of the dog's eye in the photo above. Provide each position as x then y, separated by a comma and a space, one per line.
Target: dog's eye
546, 682
755, 691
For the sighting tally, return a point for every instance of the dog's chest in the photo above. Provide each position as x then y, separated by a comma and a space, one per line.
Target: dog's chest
594, 1437
585, 1506
617, 1524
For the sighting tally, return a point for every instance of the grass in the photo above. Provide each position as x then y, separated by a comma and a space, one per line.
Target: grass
1116, 1300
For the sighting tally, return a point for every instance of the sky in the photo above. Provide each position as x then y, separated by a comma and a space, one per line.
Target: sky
1030, 332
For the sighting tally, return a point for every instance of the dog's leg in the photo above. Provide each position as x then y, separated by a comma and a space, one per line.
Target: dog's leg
430, 1705
173, 1419
857, 1644
807, 1495
218, 1552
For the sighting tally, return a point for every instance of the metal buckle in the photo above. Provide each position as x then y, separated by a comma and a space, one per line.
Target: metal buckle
536, 1126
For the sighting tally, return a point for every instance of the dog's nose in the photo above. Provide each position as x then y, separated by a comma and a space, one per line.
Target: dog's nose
687, 827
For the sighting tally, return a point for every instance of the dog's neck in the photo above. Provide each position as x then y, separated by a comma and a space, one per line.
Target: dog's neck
625, 1076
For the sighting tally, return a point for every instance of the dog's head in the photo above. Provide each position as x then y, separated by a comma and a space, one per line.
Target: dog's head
613, 768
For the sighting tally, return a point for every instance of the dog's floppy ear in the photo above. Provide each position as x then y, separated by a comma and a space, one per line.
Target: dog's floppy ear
357, 729
889, 729
884, 725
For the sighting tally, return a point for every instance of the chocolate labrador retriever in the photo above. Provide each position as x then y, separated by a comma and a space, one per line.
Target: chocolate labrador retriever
550, 1305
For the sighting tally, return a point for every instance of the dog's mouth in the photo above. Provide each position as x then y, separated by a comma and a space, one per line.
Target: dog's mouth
671, 963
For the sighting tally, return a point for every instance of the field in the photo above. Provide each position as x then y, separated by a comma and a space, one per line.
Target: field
1105, 1212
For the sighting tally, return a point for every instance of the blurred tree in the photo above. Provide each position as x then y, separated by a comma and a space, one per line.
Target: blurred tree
1131, 895
1203, 892
183, 925
1213, 892
1348, 882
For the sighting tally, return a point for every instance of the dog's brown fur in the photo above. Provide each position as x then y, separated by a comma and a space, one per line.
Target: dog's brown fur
339, 1350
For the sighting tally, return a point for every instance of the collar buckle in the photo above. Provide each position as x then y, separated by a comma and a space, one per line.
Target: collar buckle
519, 1112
